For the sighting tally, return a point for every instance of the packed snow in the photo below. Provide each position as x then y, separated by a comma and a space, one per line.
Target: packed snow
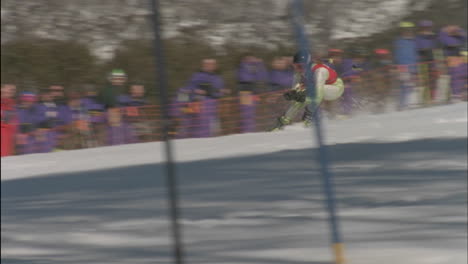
401, 183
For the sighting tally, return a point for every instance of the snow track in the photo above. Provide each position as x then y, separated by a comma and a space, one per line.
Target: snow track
253, 198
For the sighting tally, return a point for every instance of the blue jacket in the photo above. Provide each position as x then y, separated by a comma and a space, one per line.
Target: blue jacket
405, 51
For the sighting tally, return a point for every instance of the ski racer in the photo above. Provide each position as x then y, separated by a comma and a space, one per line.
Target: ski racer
328, 86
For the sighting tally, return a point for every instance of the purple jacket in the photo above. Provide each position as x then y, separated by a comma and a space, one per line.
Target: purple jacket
425, 44
179, 101
338, 67
95, 109
27, 119
62, 109
209, 82
426, 41
123, 134
452, 44
351, 68
280, 79
74, 114
251, 72
49, 115
126, 100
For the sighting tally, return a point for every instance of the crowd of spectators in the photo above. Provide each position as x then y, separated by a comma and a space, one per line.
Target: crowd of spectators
53, 119
423, 67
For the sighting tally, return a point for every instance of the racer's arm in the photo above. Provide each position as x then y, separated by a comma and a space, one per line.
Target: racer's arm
297, 86
320, 77
297, 82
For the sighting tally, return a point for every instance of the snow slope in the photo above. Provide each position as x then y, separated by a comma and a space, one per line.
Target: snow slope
437, 122
254, 198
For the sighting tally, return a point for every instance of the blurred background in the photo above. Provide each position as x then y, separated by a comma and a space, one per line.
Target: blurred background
80, 75
99, 55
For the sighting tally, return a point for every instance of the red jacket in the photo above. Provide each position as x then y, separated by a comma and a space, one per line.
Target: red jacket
332, 75
8, 126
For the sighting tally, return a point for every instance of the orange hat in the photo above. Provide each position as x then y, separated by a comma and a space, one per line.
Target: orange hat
335, 51
382, 51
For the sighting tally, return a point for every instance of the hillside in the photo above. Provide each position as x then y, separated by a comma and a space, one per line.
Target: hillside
104, 24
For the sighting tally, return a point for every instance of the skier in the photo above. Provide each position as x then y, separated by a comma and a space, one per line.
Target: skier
328, 87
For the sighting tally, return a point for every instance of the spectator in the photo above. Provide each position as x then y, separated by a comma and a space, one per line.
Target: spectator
8, 119
90, 101
406, 57
336, 60
453, 39
289, 62
132, 106
280, 77
426, 43
48, 122
184, 111
251, 75
381, 78
97, 115
27, 124
205, 87
109, 95
381, 58
119, 132
135, 98
58, 96
351, 71
461, 76
77, 119
464, 70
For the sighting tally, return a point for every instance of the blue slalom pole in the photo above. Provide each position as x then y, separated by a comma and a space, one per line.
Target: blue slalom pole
327, 177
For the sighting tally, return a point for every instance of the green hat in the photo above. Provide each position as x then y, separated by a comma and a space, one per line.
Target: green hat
406, 24
118, 73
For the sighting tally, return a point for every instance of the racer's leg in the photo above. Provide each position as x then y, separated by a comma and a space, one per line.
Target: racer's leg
291, 113
333, 91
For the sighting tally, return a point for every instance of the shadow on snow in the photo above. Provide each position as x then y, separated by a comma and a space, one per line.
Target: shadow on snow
240, 196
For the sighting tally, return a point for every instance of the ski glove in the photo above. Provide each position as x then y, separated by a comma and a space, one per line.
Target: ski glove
290, 95
300, 96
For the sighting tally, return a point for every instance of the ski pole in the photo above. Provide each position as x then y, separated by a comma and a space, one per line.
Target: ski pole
327, 180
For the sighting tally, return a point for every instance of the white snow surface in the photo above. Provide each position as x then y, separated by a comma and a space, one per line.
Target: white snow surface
401, 187
444, 121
